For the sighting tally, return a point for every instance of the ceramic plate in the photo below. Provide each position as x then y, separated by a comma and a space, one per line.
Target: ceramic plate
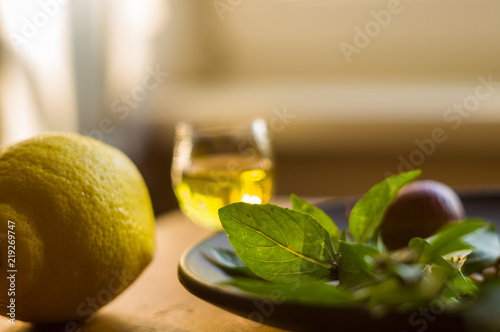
202, 278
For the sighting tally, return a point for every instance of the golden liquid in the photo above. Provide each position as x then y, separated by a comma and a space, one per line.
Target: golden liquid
213, 182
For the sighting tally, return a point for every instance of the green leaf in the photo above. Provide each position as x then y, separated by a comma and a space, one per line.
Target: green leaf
484, 315
306, 292
355, 269
435, 280
485, 246
321, 217
457, 286
343, 236
228, 261
391, 293
409, 273
477, 236
277, 243
369, 211
450, 237
427, 254
377, 242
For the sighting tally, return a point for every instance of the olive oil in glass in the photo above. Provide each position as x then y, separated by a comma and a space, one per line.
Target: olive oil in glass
214, 166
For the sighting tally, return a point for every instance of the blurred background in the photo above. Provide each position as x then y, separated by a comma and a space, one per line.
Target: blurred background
353, 90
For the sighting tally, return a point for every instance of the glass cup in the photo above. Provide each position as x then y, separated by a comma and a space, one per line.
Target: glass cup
215, 165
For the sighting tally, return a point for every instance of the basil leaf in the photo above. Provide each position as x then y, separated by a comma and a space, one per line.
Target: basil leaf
485, 246
228, 261
277, 243
484, 315
299, 291
369, 211
476, 235
344, 237
408, 273
378, 243
435, 280
391, 293
427, 254
457, 286
355, 269
450, 237
320, 216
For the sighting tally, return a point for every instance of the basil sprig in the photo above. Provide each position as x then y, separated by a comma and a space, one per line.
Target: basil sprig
303, 247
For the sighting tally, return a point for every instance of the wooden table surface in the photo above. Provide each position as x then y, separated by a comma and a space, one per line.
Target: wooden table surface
156, 301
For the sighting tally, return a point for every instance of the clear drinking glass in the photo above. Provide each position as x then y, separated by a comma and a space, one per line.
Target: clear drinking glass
215, 165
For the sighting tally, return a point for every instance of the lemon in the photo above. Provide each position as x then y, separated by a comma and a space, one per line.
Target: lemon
76, 227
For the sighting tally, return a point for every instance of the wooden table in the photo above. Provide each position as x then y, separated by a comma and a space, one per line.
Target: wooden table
156, 301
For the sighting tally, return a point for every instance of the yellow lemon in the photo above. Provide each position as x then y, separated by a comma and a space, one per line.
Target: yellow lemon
76, 227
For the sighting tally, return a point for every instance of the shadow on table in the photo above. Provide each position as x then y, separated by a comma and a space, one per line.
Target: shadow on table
104, 323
